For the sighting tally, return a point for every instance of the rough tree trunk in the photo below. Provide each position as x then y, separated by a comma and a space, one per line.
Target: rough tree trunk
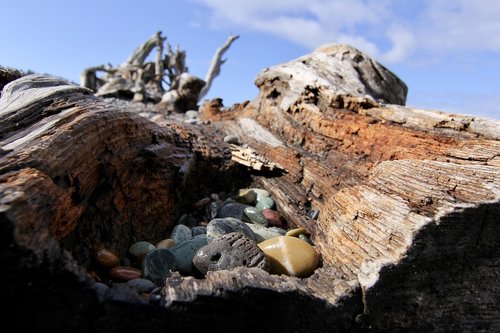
408, 204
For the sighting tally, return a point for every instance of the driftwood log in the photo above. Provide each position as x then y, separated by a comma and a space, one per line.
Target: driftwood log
408, 202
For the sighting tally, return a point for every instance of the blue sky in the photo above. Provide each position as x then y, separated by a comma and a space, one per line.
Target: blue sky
447, 51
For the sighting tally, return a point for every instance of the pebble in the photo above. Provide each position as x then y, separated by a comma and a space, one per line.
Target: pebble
261, 193
201, 204
266, 202
232, 209
165, 244
246, 196
296, 232
306, 239
180, 233
101, 289
139, 249
198, 230
185, 251
230, 251
290, 256
213, 209
273, 218
262, 233
231, 138
158, 264
106, 258
142, 285
122, 292
221, 226
124, 273
252, 214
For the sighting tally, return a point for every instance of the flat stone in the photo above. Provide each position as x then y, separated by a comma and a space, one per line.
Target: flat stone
253, 215
142, 285
180, 233
264, 203
273, 218
158, 264
262, 233
185, 251
139, 249
232, 209
106, 258
230, 251
246, 196
221, 226
290, 256
165, 244
198, 230
296, 232
124, 273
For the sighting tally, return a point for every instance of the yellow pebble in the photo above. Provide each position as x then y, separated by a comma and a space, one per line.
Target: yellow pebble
290, 256
296, 232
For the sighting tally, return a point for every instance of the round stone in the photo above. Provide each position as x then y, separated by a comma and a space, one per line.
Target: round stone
142, 285
290, 256
185, 251
232, 209
139, 249
262, 233
218, 227
165, 244
106, 258
261, 193
180, 233
124, 273
158, 264
306, 239
246, 196
230, 251
273, 218
252, 214
266, 202
198, 230
231, 138
296, 232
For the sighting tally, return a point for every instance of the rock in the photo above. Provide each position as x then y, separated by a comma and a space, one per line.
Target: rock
101, 290
246, 196
219, 227
201, 204
230, 251
122, 292
253, 215
106, 258
185, 251
158, 264
266, 202
142, 285
180, 233
273, 218
231, 138
306, 239
213, 209
290, 256
232, 209
261, 193
198, 230
262, 233
166, 244
296, 232
124, 273
139, 249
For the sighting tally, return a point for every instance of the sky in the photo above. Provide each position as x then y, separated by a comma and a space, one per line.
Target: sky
446, 51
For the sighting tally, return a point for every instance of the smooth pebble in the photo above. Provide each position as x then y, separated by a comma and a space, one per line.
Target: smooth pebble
221, 226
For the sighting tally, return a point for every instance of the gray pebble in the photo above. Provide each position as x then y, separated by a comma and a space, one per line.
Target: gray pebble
230, 251
158, 264
232, 209
180, 233
142, 285
231, 138
185, 251
218, 227
198, 230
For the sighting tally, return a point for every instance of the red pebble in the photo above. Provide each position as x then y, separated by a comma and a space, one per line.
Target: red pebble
124, 273
274, 218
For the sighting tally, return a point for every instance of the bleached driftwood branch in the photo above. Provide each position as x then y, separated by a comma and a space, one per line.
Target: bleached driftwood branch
214, 69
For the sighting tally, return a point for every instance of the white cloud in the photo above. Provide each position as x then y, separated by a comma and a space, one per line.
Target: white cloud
377, 27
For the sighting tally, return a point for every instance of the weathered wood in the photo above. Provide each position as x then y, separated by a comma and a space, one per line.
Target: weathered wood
408, 204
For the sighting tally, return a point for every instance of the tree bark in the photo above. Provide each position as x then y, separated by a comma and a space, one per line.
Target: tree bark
408, 204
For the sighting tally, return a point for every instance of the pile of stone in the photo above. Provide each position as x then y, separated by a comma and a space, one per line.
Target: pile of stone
244, 229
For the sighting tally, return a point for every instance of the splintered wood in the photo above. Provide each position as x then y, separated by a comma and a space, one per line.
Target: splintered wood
249, 157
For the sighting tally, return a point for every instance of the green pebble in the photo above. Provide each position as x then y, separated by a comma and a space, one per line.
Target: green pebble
264, 203
140, 249
261, 193
252, 214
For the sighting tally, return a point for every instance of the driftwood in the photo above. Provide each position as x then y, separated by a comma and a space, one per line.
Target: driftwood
141, 81
408, 204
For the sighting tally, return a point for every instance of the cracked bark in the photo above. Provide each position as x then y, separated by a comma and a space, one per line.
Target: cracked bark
407, 208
